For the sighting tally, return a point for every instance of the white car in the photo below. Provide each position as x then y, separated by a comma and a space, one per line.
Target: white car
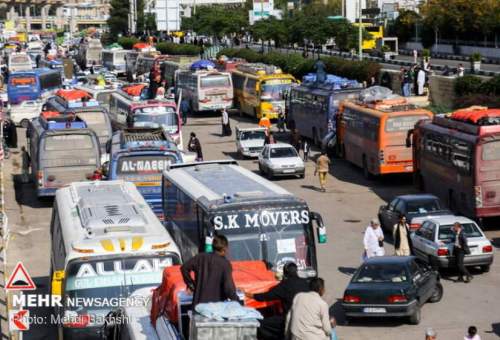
24, 112
433, 242
280, 159
250, 141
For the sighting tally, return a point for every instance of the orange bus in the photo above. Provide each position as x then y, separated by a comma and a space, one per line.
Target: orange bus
373, 135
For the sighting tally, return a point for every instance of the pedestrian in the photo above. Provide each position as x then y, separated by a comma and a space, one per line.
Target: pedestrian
472, 334
194, 145
213, 279
26, 163
309, 317
373, 240
273, 327
322, 169
154, 85
402, 79
407, 83
281, 122
401, 236
97, 175
420, 82
460, 249
265, 122
10, 133
460, 70
306, 148
430, 334
226, 126
415, 56
295, 139
185, 108
269, 139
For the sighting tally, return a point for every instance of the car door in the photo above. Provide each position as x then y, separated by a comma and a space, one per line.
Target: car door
419, 281
262, 157
429, 245
428, 281
418, 240
390, 215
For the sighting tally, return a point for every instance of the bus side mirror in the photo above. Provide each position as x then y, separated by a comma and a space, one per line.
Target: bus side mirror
57, 280
321, 229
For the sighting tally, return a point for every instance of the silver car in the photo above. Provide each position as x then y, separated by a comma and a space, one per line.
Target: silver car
250, 141
280, 159
433, 242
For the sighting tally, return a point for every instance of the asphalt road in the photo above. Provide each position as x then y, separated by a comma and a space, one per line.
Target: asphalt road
346, 207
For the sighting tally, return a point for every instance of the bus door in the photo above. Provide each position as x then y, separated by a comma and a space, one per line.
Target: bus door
251, 96
487, 183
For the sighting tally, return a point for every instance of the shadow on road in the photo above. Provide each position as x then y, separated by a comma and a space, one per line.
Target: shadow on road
26, 194
495, 329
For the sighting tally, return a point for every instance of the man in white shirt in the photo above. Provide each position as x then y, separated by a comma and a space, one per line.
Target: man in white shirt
309, 318
374, 239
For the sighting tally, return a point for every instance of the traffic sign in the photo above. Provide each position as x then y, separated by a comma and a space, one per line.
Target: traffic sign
20, 279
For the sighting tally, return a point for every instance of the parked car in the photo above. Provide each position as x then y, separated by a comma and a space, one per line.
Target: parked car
250, 141
22, 113
280, 159
416, 208
391, 286
433, 243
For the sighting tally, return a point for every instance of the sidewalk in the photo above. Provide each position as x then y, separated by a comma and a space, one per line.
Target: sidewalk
4, 317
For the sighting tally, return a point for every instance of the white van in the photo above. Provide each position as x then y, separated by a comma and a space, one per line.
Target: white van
22, 113
19, 62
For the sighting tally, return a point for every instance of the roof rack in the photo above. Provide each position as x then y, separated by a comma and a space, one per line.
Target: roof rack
145, 138
477, 115
258, 68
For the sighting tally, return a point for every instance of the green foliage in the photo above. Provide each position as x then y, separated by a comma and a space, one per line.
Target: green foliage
216, 20
475, 56
299, 66
472, 90
178, 49
140, 23
118, 17
404, 25
150, 22
467, 85
426, 53
127, 42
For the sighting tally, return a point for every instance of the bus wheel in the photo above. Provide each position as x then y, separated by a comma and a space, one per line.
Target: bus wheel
25, 123
366, 172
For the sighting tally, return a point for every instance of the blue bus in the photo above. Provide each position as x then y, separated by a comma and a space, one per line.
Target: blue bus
31, 85
140, 155
312, 106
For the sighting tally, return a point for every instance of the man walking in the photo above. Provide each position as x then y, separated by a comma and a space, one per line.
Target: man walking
309, 318
226, 128
322, 168
460, 249
373, 240
213, 280
401, 235
273, 327
305, 149
184, 110
26, 163
195, 146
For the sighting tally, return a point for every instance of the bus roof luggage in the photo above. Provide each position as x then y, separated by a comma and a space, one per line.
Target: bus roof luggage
134, 90
479, 115
331, 80
73, 95
202, 65
145, 138
258, 68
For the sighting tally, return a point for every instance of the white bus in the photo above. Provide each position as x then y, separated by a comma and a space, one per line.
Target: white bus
205, 90
114, 60
19, 62
106, 243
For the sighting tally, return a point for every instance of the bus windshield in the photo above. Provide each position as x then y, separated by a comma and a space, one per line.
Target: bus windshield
248, 135
22, 81
275, 89
69, 142
159, 116
113, 278
276, 235
143, 167
214, 81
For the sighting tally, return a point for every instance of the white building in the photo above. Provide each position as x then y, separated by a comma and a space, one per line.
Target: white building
388, 7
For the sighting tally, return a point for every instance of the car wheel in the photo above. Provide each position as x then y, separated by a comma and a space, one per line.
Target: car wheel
25, 123
438, 293
485, 268
415, 317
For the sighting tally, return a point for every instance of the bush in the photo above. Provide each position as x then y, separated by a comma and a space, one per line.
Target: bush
467, 85
477, 99
475, 56
472, 90
299, 66
491, 86
127, 42
178, 49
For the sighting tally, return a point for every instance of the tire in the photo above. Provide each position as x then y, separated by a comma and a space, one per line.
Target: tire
437, 295
25, 123
485, 268
366, 172
414, 319
302, 175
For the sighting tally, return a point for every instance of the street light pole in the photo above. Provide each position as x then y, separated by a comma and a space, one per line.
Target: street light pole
360, 33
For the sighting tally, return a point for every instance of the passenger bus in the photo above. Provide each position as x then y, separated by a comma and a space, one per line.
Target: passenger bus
174, 63
261, 220
457, 158
205, 90
31, 85
106, 243
18, 62
89, 54
114, 60
80, 104
127, 109
373, 135
260, 90
313, 106
62, 151
139, 155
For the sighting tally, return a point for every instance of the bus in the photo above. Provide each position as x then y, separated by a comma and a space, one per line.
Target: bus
139, 155
260, 90
127, 109
313, 106
31, 85
100, 93
376, 32
114, 60
19, 62
106, 243
205, 90
174, 63
80, 104
62, 151
457, 158
372, 135
89, 54
261, 220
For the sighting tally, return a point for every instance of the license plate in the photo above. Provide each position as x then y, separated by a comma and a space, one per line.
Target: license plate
289, 171
374, 310
474, 250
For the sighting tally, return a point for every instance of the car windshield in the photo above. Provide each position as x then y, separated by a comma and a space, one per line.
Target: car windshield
389, 272
283, 152
244, 135
446, 233
423, 207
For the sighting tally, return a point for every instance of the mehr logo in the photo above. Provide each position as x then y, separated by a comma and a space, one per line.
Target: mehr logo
19, 320
20, 279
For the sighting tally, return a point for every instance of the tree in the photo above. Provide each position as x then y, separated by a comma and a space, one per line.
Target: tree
404, 25
140, 24
150, 23
118, 17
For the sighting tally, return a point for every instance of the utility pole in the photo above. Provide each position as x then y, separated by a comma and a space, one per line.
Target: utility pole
360, 33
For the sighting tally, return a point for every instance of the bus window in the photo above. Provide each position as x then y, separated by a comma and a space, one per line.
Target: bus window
214, 81
68, 143
50, 81
491, 151
159, 116
275, 89
22, 81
